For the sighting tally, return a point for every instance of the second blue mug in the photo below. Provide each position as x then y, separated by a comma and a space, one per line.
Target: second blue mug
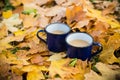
80, 45
56, 34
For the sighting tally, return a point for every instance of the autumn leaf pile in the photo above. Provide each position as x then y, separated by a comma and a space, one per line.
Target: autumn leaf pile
24, 57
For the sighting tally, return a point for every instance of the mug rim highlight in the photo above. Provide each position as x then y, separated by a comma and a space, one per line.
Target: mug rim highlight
57, 23
78, 33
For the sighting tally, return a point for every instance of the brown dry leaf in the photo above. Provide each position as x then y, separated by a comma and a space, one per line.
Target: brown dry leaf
99, 28
42, 2
3, 31
58, 17
110, 8
56, 56
29, 20
107, 55
43, 21
37, 59
59, 2
53, 11
18, 10
22, 54
37, 48
81, 23
75, 14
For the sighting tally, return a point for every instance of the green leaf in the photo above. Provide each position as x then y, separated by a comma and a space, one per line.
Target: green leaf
73, 62
29, 11
96, 70
8, 6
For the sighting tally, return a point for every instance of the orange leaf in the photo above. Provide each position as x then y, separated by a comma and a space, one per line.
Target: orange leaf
75, 14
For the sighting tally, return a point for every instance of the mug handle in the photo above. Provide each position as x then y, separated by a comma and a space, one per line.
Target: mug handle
40, 37
98, 50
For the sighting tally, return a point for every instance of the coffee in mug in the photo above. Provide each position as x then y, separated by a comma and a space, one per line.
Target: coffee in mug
79, 43
58, 32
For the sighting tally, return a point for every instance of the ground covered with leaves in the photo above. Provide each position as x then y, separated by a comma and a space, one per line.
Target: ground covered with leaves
24, 57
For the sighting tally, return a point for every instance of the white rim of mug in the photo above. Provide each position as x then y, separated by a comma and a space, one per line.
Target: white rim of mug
77, 46
57, 23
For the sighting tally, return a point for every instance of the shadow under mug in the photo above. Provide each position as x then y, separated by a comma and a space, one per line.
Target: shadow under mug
80, 50
55, 41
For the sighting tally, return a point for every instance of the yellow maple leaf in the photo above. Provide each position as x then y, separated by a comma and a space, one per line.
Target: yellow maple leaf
98, 14
34, 72
34, 75
4, 46
30, 68
65, 71
107, 55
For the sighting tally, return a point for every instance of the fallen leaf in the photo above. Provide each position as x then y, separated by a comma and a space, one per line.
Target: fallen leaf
36, 59
42, 2
29, 21
59, 2
110, 8
53, 11
19, 9
14, 20
107, 73
43, 21
27, 1
3, 31
62, 68
56, 56
15, 2
37, 68
75, 14
33, 75
7, 14
98, 14
107, 55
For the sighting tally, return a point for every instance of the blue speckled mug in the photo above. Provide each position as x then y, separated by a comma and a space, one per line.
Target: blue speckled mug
79, 45
56, 34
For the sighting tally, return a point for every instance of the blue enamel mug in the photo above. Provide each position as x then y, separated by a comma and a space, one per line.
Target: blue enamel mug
56, 34
80, 45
